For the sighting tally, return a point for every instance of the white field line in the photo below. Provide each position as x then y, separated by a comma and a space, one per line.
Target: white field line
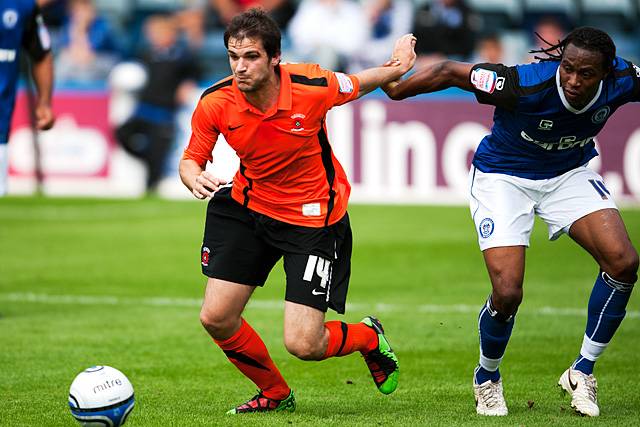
278, 305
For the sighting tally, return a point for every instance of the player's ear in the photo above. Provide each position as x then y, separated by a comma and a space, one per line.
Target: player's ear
275, 60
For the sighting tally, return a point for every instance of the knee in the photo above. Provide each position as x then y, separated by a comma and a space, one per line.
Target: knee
507, 299
304, 349
217, 324
624, 266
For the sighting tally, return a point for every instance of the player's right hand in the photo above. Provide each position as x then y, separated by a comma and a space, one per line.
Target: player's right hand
206, 184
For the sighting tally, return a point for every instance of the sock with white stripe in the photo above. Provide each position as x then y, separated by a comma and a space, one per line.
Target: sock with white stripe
495, 330
607, 307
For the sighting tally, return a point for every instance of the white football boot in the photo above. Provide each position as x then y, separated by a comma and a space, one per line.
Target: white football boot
489, 398
583, 389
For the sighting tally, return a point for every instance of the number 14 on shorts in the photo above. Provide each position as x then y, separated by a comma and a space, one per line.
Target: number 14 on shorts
319, 266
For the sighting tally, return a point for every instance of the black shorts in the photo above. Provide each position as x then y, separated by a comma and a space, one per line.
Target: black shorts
242, 246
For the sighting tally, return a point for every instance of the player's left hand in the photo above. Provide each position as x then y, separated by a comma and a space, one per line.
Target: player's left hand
404, 52
44, 117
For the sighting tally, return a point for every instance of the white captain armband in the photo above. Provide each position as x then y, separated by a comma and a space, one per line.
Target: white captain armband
345, 83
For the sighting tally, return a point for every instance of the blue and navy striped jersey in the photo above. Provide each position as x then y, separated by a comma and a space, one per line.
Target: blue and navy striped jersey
536, 133
20, 26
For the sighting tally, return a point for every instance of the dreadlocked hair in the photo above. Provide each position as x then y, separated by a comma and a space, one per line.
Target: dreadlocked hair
588, 38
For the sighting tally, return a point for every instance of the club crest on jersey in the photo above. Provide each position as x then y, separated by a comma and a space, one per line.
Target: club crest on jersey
485, 80
205, 256
10, 18
486, 227
601, 115
545, 124
298, 122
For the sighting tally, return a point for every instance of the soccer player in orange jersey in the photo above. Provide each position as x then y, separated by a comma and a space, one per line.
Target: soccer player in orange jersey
288, 200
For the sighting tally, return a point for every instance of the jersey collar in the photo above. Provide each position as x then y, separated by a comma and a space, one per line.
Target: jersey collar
566, 103
284, 98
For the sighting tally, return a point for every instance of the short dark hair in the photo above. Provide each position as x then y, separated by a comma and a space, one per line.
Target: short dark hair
255, 23
588, 38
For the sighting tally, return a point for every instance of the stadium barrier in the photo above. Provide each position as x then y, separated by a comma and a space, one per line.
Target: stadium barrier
416, 151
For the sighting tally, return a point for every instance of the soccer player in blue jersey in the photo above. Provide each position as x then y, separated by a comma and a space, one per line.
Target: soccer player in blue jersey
21, 25
535, 162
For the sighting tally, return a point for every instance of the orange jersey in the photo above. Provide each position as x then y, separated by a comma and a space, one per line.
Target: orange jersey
287, 168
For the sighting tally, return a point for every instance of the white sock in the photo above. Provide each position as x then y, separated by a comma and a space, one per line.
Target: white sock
4, 168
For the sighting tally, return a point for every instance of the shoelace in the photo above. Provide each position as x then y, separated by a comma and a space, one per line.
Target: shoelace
591, 386
489, 393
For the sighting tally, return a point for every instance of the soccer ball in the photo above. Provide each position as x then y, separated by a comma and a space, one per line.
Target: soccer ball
101, 396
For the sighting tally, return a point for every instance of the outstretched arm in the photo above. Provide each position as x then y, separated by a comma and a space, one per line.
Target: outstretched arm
435, 77
404, 57
42, 72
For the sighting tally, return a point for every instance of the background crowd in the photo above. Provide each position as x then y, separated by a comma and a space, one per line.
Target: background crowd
90, 36
179, 44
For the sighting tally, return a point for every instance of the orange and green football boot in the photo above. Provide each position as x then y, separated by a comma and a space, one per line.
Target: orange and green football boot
260, 403
382, 361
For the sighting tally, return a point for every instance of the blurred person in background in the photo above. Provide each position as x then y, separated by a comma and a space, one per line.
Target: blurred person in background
548, 30
220, 12
87, 45
328, 32
444, 28
489, 49
22, 26
172, 74
388, 20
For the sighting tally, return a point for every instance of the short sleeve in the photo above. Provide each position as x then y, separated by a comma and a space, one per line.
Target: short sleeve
36, 39
496, 84
342, 88
204, 134
635, 76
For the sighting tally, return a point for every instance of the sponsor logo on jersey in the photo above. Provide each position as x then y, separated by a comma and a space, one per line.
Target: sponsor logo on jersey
7, 55
545, 124
298, 123
345, 83
601, 115
10, 18
205, 256
637, 70
486, 227
563, 143
484, 80
500, 83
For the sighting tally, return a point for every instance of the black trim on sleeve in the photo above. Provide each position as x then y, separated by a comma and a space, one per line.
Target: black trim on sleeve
304, 80
507, 95
31, 38
217, 86
630, 71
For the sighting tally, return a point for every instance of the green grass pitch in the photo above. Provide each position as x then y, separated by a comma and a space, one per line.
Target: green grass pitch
85, 282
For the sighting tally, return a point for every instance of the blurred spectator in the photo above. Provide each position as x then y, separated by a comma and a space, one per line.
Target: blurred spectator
444, 28
489, 49
220, 12
550, 31
327, 32
388, 20
88, 49
172, 74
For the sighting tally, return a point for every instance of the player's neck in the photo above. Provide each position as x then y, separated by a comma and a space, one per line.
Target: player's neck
265, 98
